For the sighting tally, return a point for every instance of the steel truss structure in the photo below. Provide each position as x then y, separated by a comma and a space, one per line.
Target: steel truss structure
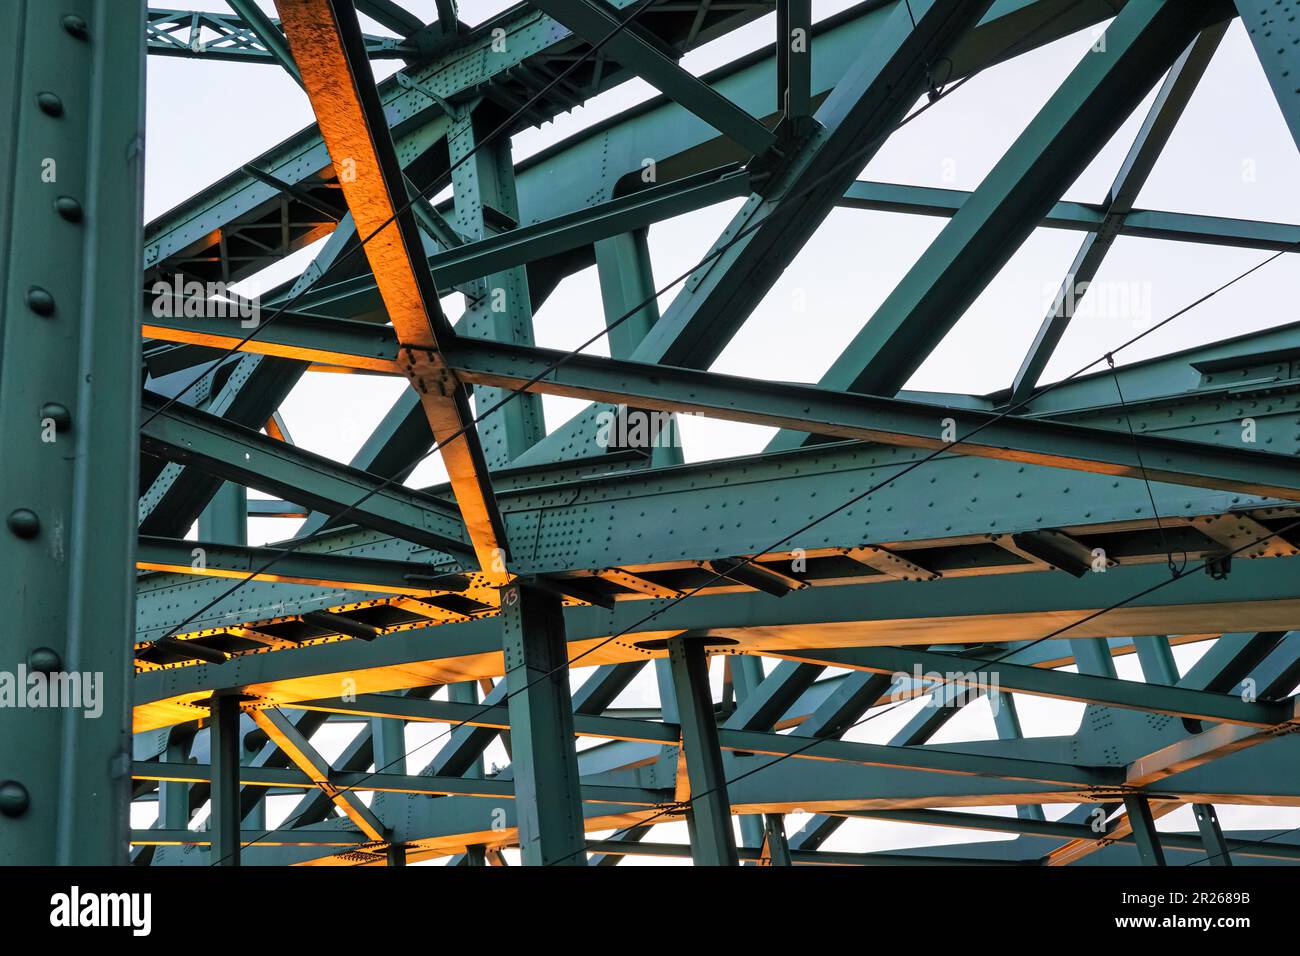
864, 554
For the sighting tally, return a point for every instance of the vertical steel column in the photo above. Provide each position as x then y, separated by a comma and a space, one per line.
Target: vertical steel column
1092, 656
466, 692
486, 205
794, 58
254, 817
713, 842
746, 676
1216, 847
174, 796
225, 746
1157, 659
626, 284
388, 741
388, 736
548, 804
71, 98
776, 849
1144, 831
225, 519
1007, 721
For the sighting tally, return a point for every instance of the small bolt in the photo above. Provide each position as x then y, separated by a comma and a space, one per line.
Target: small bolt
14, 799
50, 104
40, 301
68, 208
76, 26
24, 523
59, 414
44, 660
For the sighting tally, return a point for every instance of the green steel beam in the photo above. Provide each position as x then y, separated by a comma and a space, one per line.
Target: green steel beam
344, 784
166, 600
180, 836
181, 33
1144, 831
392, 15
794, 58
1082, 217
1170, 101
1157, 659
254, 387
541, 721
250, 395
269, 33
239, 454
489, 714
1006, 719
205, 558
889, 421
775, 849
763, 706
447, 19
914, 757
1217, 851
71, 187
1135, 695
640, 51
224, 777
713, 841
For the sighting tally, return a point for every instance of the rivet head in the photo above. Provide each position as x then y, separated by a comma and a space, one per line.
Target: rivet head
14, 798
24, 523
50, 104
76, 26
57, 413
40, 301
68, 208
44, 660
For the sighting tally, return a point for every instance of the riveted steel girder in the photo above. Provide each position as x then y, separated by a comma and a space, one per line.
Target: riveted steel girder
71, 186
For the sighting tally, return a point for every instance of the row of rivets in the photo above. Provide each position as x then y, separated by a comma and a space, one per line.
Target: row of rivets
23, 522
